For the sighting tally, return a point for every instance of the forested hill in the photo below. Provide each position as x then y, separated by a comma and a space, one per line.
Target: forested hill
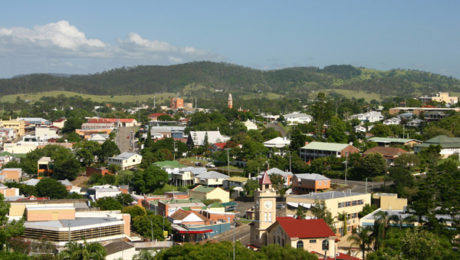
204, 78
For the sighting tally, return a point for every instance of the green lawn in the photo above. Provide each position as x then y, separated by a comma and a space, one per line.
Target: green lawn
97, 98
368, 96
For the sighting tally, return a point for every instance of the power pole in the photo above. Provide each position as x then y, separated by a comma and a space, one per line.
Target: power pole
290, 162
174, 149
228, 162
346, 168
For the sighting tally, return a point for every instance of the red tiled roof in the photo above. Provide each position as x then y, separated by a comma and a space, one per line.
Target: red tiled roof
110, 120
158, 114
220, 145
265, 179
339, 256
387, 152
305, 228
180, 214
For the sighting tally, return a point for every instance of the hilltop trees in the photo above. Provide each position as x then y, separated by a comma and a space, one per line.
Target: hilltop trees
148, 180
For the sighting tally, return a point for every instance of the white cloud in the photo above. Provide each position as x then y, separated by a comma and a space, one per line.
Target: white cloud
66, 45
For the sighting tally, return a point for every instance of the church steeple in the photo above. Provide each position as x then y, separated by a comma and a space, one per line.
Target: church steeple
230, 101
265, 182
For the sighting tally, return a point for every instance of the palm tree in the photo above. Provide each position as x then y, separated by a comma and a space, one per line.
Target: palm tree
381, 225
144, 255
86, 251
362, 237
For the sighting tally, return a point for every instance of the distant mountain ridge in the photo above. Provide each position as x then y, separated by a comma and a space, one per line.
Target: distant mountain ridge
201, 79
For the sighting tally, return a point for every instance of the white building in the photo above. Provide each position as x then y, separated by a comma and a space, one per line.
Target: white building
250, 125
296, 118
197, 138
392, 121
211, 178
27, 144
102, 191
45, 133
126, 160
371, 116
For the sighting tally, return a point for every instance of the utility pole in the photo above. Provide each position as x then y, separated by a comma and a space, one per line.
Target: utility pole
346, 168
151, 227
290, 162
174, 150
228, 162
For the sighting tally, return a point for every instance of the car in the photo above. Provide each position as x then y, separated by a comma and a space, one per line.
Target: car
198, 164
210, 165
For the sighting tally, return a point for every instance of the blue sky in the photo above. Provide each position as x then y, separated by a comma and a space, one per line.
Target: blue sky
93, 36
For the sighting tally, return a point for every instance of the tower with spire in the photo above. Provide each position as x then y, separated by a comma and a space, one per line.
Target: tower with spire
230, 101
265, 211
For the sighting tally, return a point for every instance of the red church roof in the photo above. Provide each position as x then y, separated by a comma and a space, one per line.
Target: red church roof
265, 179
305, 228
220, 145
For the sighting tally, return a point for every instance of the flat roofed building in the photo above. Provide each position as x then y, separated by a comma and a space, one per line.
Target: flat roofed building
10, 174
337, 202
17, 125
315, 150
307, 182
48, 212
389, 201
126, 160
209, 193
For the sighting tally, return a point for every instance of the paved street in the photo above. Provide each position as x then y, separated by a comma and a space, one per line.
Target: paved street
123, 138
241, 233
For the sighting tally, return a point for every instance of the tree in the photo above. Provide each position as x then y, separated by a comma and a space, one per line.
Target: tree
86, 251
336, 131
108, 149
51, 188
86, 151
149, 180
370, 166
71, 124
145, 225
124, 199
430, 155
108, 203
250, 187
319, 210
298, 139
134, 211
421, 244
11, 229
277, 252
408, 161
278, 183
321, 111
362, 237
144, 255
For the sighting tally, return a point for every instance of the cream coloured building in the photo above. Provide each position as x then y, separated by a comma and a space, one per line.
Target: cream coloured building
17, 125
209, 193
336, 202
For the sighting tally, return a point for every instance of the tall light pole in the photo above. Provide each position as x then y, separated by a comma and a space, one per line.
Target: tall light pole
228, 162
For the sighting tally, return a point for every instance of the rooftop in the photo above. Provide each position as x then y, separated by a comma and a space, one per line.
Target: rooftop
385, 151
443, 141
391, 140
125, 155
323, 146
118, 246
327, 195
77, 222
311, 176
212, 175
203, 189
305, 228
169, 164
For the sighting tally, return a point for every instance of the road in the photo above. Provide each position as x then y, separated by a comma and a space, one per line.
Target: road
242, 234
123, 139
359, 186
277, 128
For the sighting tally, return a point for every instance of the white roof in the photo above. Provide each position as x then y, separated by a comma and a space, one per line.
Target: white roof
276, 171
125, 155
311, 176
212, 175
198, 137
31, 182
278, 142
65, 182
298, 115
193, 170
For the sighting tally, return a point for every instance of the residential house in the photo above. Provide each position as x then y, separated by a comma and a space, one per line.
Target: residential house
336, 202
186, 176
449, 145
440, 97
387, 141
307, 182
250, 125
176, 132
392, 121
235, 182
296, 118
315, 150
168, 207
187, 217
278, 145
126, 160
415, 123
211, 178
199, 138
389, 153
98, 138
362, 128
59, 123
102, 191
370, 117
119, 122
10, 174
418, 110
201, 192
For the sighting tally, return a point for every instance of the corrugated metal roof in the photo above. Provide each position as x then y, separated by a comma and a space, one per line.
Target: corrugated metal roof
323, 146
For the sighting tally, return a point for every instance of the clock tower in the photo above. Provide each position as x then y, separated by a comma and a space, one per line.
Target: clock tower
265, 211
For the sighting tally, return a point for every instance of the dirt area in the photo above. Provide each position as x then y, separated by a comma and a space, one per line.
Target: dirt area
80, 181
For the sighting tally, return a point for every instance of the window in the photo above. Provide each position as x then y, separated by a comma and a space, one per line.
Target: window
312, 241
270, 217
266, 217
300, 244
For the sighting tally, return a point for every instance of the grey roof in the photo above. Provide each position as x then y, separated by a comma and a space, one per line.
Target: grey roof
323, 146
391, 140
65, 182
312, 176
31, 182
77, 222
193, 170
275, 171
157, 129
118, 246
212, 175
125, 155
327, 195
443, 141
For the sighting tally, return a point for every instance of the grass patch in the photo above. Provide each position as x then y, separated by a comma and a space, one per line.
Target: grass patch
368, 96
96, 98
268, 95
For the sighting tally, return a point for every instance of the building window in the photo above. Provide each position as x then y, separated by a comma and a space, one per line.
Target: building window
266, 217
300, 244
312, 241
270, 217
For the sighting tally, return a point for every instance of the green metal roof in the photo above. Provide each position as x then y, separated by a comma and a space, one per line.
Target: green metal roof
172, 164
203, 189
391, 140
336, 147
443, 141
215, 205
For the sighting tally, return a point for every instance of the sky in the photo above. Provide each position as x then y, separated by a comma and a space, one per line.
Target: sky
81, 37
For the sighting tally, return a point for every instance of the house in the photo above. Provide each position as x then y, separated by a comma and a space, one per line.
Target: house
211, 178
370, 117
119, 122
154, 117
387, 141
415, 123
169, 206
307, 182
287, 176
235, 181
392, 121
336, 202
126, 160
187, 217
201, 192
389, 201
31, 182
307, 234
176, 132
97, 126
10, 174
218, 147
389, 153
59, 123
45, 133
418, 110
120, 250
449, 145
440, 97
186, 176
296, 118
277, 145
199, 138
250, 125
315, 150
362, 129
102, 191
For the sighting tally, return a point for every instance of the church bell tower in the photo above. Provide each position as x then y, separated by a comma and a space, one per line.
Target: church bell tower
265, 211
230, 101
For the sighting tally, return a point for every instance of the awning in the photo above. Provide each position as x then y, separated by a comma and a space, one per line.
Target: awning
195, 231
